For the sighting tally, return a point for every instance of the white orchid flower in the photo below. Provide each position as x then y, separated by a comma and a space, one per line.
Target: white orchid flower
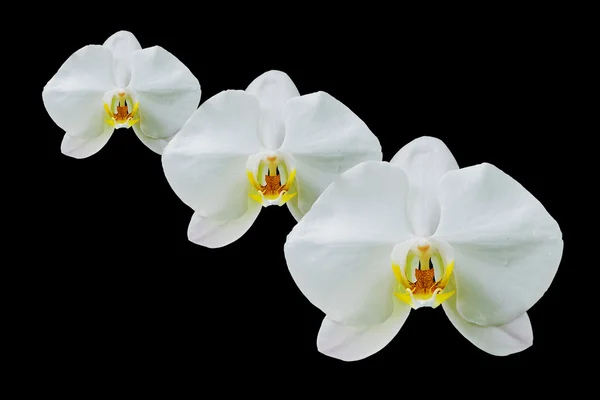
267, 145
386, 238
120, 85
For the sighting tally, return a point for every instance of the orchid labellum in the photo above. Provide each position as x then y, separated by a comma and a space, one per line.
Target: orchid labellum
471, 239
120, 85
267, 145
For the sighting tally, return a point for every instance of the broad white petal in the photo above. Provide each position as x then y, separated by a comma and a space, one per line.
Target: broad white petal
73, 97
350, 343
213, 233
325, 138
156, 145
83, 147
339, 254
205, 163
501, 340
425, 160
310, 182
122, 44
167, 92
507, 246
274, 89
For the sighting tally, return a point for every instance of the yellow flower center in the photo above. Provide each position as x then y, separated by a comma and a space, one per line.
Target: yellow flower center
275, 185
122, 111
425, 291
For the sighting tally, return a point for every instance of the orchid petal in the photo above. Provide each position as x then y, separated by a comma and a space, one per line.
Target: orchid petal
74, 95
213, 233
293, 205
122, 44
339, 253
205, 163
325, 138
82, 147
425, 160
502, 340
156, 145
507, 246
274, 89
349, 343
167, 92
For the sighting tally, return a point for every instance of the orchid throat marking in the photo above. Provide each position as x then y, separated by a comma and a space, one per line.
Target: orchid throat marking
272, 187
121, 113
425, 291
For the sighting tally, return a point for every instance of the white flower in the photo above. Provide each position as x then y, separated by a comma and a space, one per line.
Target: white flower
120, 85
362, 254
267, 145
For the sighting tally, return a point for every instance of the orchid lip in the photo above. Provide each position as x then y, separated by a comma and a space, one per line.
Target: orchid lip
271, 187
425, 291
122, 110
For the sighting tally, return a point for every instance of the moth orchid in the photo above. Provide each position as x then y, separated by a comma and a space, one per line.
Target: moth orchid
267, 145
101, 88
416, 232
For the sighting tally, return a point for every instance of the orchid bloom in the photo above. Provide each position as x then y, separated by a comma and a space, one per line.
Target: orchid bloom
267, 145
472, 239
120, 85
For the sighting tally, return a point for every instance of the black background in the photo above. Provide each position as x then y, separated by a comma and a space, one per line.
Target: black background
127, 290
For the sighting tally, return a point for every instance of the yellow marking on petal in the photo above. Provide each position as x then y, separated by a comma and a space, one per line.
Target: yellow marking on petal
108, 110
423, 247
401, 279
122, 117
424, 260
272, 168
447, 272
404, 297
441, 297
290, 179
253, 181
136, 106
272, 189
425, 290
287, 197
255, 197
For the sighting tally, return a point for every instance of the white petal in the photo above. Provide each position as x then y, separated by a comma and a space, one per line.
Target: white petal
425, 160
293, 207
349, 343
122, 44
501, 340
205, 163
274, 89
507, 246
73, 96
325, 138
212, 233
168, 93
339, 254
156, 145
82, 147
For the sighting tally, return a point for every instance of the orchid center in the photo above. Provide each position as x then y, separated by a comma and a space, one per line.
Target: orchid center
121, 110
422, 289
272, 182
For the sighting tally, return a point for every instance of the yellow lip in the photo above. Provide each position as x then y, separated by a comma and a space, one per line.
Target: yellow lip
122, 117
425, 291
273, 191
